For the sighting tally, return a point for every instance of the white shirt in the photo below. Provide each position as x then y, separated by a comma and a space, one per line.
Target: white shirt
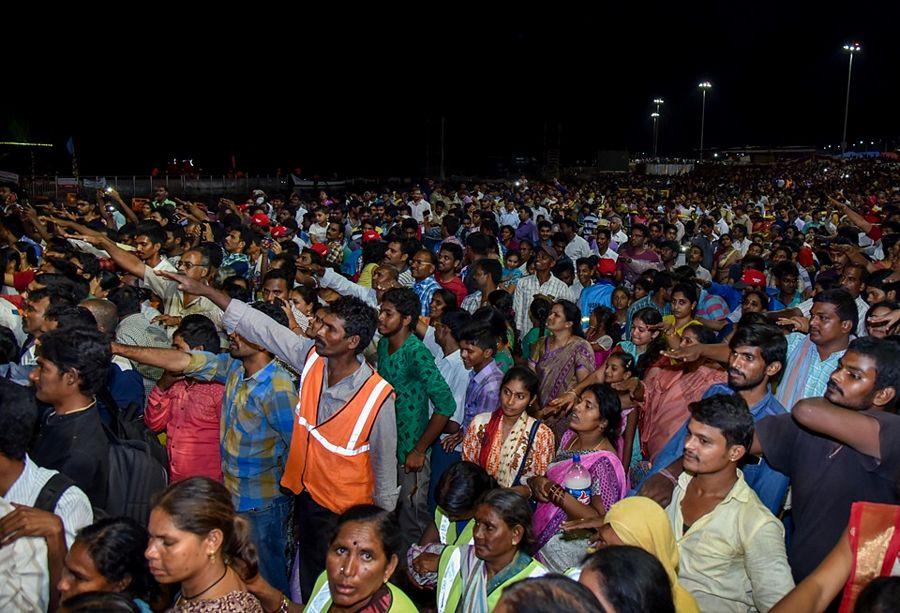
73, 507
164, 265
526, 289
472, 302
743, 245
317, 232
609, 255
418, 208
578, 248
24, 574
733, 558
455, 374
12, 319
620, 238
722, 227
539, 211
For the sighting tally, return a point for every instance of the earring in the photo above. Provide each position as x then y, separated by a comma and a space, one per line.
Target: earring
211, 557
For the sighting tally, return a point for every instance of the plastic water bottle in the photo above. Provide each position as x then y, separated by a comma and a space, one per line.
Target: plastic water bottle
578, 481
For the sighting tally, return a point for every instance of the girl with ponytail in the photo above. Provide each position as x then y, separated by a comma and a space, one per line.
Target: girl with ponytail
200, 544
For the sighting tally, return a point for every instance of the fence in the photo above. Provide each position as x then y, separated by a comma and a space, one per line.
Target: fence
205, 185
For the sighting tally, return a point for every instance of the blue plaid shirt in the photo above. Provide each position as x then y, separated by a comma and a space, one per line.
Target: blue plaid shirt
646, 301
425, 289
257, 420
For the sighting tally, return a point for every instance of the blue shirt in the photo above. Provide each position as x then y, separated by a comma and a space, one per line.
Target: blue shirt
769, 484
599, 294
425, 289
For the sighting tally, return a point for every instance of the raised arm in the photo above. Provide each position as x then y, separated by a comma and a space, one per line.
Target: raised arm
128, 262
851, 428
126, 210
172, 360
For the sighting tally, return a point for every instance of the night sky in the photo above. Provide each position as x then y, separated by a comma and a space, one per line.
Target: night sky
289, 89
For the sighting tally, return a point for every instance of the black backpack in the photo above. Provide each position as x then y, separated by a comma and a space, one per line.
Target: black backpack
56, 486
137, 473
128, 424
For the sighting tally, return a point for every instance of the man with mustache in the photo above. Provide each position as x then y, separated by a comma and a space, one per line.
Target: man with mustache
839, 449
336, 438
731, 548
755, 358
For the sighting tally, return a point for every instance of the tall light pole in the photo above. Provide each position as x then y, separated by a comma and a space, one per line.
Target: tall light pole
704, 86
655, 116
850, 48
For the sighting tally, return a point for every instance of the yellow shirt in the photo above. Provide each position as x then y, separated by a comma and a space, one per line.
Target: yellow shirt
733, 558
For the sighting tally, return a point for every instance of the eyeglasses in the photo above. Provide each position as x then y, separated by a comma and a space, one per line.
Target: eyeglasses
186, 266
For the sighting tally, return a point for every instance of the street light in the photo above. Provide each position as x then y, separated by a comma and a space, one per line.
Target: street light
704, 86
850, 48
655, 116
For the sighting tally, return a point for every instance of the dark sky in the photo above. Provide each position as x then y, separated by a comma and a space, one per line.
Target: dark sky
330, 96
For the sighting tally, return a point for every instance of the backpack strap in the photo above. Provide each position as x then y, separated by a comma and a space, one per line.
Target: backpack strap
52, 491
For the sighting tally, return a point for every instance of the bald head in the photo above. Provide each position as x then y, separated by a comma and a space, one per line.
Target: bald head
105, 312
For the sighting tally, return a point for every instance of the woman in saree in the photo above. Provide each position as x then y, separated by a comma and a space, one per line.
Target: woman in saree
508, 443
591, 438
562, 359
868, 549
641, 522
458, 491
471, 578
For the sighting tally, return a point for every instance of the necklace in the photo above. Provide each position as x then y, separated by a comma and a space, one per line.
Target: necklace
214, 584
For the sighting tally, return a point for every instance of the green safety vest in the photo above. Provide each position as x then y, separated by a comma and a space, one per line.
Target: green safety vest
321, 598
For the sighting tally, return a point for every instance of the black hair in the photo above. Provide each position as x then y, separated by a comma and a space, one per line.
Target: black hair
234, 289
455, 321
785, 269
71, 316
82, 350
759, 293
688, 290
481, 334
153, 231
651, 317
526, 376
61, 295
478, 243
89, 263
310, 295
641, 228
644, 283
409, 224
728, 413
272, 310
280, 273
512, 508
549, 593
770, 340
844, 304
540, 311
108, 280
406, 302
460, 487
606, 319
9, 346
453, 249
100, 602
17, 419
200, 505
359, 319
632, 579
878, 278
705, 336
571, 314
610, 409
199, 331
491, 267
373, 252
451, 224
880, 595
116, 546
448, 297
884, 353
384, 522
662, 280
127, 300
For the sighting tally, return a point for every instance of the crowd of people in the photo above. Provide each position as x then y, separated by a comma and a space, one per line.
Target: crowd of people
624, 395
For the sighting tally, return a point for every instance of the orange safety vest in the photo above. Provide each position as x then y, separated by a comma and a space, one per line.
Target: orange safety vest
331, 460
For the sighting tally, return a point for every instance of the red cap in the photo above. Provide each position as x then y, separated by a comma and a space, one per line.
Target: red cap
320, 248
370, 235
260, 219
279, 231
606, 266
751, 278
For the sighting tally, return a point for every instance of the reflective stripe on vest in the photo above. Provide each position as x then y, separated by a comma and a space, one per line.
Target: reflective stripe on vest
349, 450
444, 528
450, 573
319, 600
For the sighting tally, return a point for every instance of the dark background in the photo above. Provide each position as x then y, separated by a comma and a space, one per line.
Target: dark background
363, 92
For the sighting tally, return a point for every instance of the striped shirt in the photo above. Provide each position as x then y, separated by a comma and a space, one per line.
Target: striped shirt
527, 288
424, 289
256, 425
805, 374
483, 391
